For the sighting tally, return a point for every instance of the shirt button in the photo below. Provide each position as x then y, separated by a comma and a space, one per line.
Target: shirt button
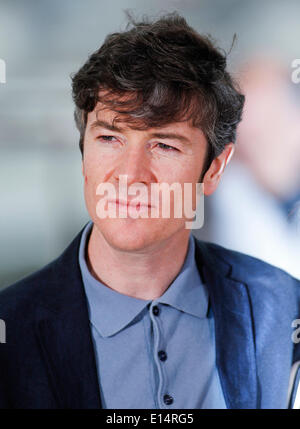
168, 400
155, 310
162, 355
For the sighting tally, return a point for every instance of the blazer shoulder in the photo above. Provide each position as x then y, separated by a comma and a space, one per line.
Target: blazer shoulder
22, 295
45, 283
244, 267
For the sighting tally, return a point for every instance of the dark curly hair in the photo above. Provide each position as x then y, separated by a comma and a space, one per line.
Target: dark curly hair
155, 73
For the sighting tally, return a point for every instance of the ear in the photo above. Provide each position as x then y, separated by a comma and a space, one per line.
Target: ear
213, 175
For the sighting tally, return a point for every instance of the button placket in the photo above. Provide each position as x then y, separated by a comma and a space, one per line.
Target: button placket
159, 357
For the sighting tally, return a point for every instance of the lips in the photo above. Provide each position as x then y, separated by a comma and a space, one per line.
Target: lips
130, 203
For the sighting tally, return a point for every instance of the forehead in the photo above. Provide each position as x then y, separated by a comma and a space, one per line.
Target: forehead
127, 123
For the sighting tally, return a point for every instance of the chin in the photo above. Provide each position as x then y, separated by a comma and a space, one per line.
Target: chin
134, 234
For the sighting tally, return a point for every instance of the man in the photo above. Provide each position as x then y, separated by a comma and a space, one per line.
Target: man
136, 313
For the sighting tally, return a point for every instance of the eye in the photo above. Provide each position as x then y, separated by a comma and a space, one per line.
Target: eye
167, 147
106, 139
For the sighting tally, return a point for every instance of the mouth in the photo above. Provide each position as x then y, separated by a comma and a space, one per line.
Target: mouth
131, 204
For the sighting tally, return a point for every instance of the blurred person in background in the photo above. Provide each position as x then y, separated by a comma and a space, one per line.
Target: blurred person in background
256, 208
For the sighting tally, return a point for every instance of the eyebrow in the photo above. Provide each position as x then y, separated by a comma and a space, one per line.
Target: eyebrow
104, 124
172, 136
159, 135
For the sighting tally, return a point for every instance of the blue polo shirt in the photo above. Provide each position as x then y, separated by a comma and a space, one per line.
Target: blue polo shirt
154, 354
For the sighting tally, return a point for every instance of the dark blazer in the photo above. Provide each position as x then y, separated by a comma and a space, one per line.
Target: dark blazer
48, 359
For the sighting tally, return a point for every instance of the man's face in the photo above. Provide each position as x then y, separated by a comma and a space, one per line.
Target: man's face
168, 154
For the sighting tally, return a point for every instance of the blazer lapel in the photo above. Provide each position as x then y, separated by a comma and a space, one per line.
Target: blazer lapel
234, 336
63, 332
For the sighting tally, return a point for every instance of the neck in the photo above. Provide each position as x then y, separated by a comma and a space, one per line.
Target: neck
131, 273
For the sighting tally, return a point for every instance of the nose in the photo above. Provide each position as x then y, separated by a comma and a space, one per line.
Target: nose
135, 164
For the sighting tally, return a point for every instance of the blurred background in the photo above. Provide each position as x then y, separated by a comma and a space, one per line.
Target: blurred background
255, 209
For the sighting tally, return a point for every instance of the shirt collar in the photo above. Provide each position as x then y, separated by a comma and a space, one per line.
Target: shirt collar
187, 292
110, 311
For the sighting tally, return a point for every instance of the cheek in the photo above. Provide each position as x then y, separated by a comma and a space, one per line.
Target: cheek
190, 174
89, 177
92, 167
